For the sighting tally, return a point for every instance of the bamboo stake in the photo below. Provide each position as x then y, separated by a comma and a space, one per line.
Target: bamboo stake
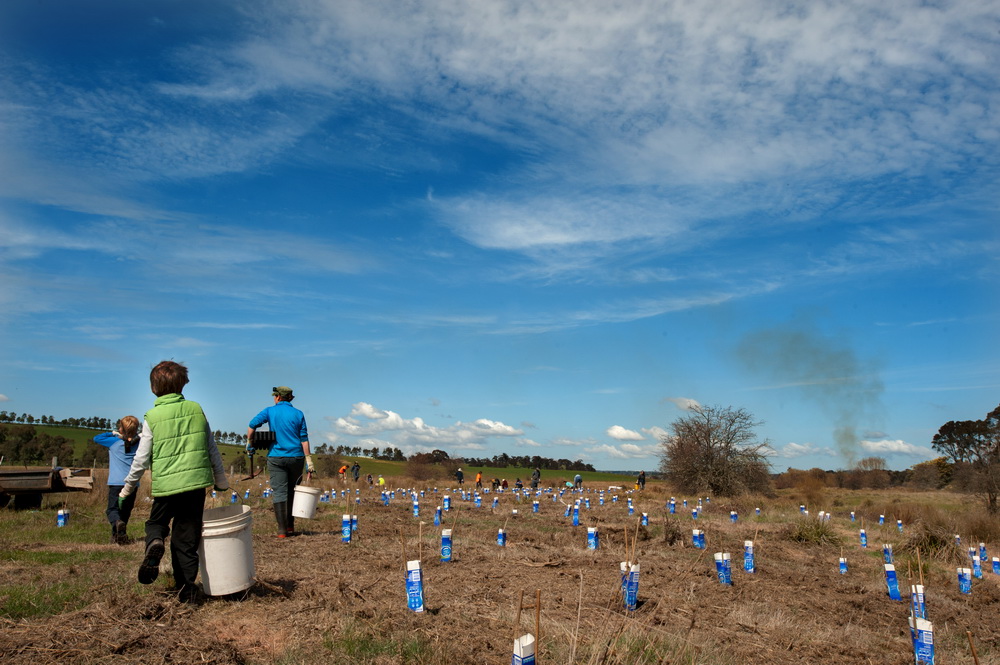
576, 631
353, 531
538, 621
420, 541
920, 568
635, 537
402, 547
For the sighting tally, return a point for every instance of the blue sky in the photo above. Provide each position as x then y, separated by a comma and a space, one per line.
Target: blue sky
541, 228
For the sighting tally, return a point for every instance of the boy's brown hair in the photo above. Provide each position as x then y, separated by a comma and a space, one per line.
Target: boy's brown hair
128, 427
168, 377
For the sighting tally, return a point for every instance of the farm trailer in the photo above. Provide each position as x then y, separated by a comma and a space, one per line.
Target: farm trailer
27, 484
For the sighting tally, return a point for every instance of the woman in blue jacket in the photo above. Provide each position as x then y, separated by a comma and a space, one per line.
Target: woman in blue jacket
121, 445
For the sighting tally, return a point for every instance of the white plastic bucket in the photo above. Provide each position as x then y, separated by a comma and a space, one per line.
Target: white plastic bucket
226, 551
306, 499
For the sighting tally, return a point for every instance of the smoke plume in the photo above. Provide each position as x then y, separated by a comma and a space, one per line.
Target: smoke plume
822, 368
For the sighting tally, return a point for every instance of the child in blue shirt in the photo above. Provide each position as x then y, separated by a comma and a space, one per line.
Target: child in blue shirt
121, 445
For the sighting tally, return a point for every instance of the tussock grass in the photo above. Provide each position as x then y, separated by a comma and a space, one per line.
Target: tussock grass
813, 531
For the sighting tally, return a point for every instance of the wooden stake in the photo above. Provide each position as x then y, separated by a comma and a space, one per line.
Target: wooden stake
972, 646
538, 621
517, 619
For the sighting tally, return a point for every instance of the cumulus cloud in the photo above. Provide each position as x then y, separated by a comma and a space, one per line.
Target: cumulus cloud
896, 447
621, 434
367, 420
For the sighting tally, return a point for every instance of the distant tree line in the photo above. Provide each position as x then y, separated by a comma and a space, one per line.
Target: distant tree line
503, 460
26, 418
388, 453
716, 449
868, 473
24, 444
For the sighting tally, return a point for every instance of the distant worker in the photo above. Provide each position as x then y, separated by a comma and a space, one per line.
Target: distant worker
536, 476
370, 480
459, 476
503, 484
479, 479
640, 481
287, 456
342, 472
355, 471
121, 445
578, 481
381, 480
518, 484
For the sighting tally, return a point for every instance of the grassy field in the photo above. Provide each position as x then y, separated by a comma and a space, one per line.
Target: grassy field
68, 595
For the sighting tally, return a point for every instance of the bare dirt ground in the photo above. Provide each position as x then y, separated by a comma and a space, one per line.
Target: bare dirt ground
319, 600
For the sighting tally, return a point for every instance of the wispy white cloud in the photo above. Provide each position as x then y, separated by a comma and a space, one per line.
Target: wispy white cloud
627, 451
655, 433
683, 403
793, 450
4, 398
570, 442
214, 261
239, 326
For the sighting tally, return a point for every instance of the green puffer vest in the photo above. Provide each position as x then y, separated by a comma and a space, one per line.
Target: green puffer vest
180, 460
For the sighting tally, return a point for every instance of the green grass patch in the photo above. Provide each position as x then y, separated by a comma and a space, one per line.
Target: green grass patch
33, 601
359, 646
72, 557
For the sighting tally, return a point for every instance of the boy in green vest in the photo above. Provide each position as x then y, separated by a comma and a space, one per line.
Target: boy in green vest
176, 444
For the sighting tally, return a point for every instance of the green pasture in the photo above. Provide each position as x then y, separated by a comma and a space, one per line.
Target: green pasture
81, 437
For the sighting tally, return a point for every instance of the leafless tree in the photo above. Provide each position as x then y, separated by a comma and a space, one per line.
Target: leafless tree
715, 449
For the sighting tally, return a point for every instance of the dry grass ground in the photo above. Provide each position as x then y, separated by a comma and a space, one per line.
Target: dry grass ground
67, 595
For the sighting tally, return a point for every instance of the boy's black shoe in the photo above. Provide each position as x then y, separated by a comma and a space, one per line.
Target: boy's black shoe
149, 569
190, 594
119, 533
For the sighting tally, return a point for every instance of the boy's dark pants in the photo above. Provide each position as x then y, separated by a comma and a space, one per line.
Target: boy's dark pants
113, 513
185, 510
